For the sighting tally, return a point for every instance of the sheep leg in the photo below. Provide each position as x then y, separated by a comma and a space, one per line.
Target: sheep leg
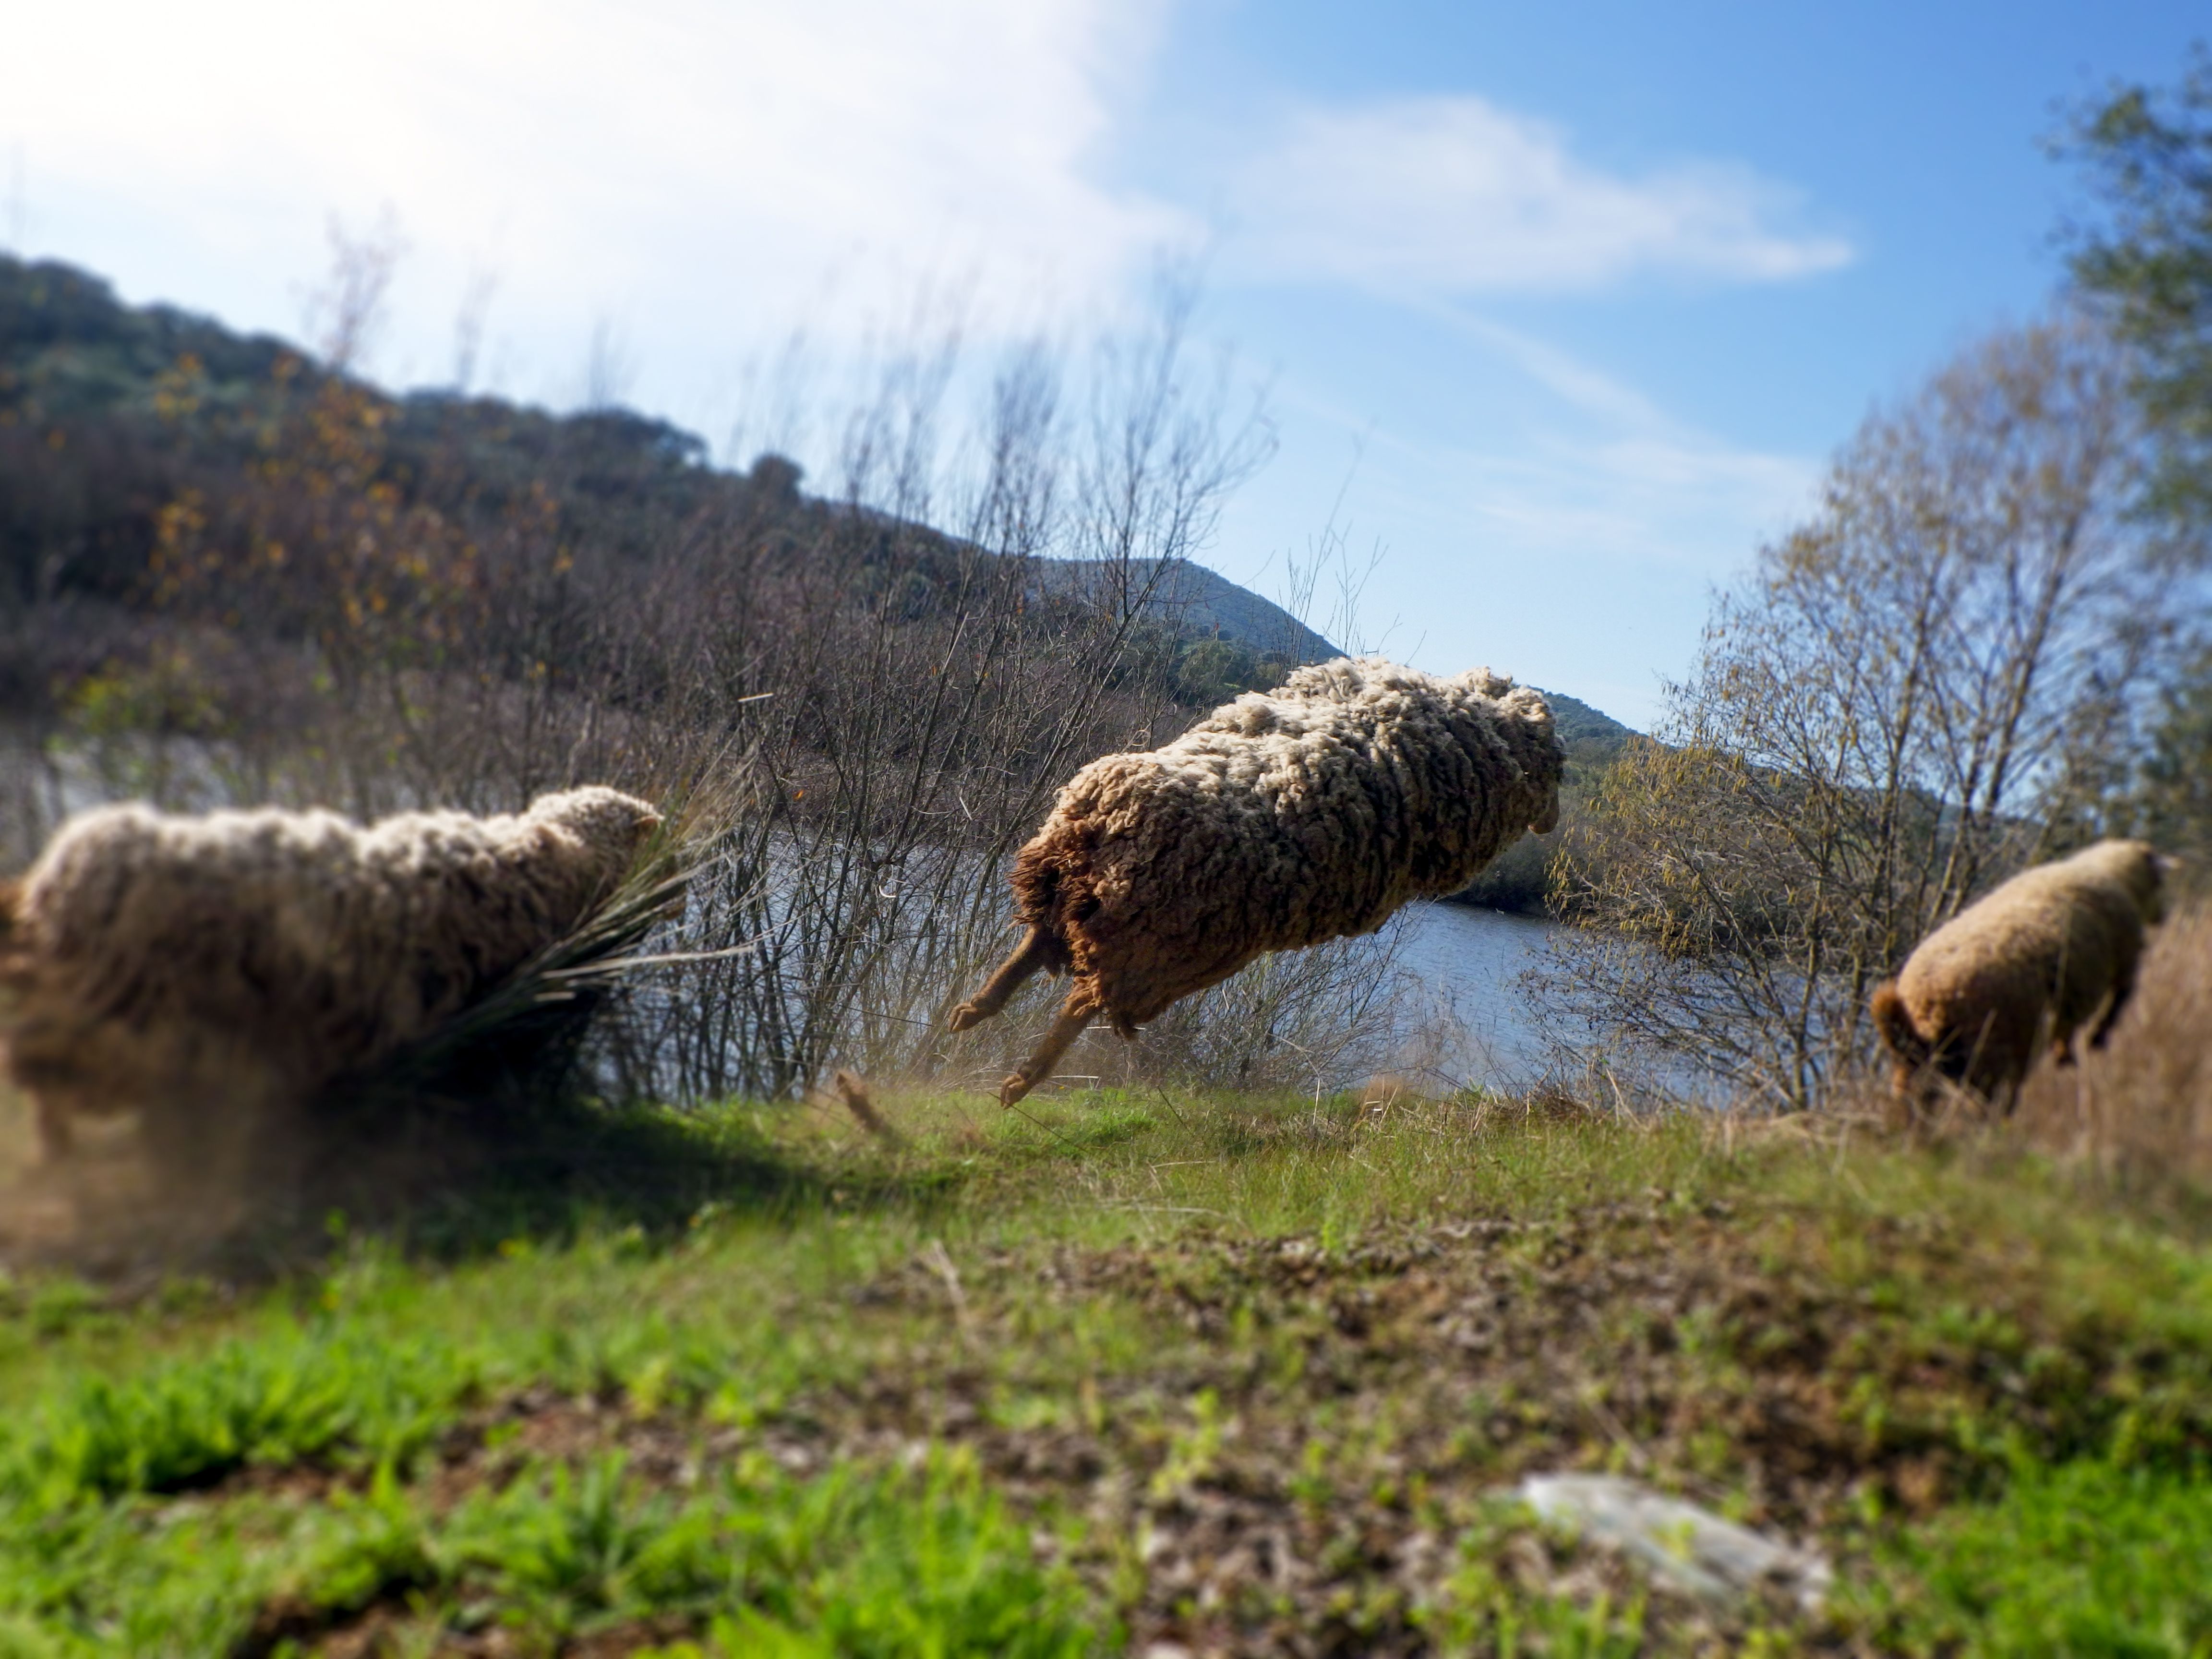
57, 1134
2124, 986
1038, 1066
1034, 952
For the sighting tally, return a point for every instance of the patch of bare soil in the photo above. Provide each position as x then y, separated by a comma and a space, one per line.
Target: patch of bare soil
1291, 1470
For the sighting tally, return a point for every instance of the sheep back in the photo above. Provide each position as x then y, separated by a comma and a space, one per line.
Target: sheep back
2028, 965
311, 944
1282, 820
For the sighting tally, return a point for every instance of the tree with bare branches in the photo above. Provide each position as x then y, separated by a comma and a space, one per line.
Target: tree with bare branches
1931, 684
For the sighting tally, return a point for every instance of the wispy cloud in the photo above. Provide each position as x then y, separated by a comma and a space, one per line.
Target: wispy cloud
1453, 195
1572, 538
699, 171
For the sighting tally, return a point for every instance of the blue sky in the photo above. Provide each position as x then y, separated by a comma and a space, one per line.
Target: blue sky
1568, 304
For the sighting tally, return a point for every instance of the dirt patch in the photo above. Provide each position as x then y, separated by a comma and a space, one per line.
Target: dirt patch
1292, 1466
1290, 1477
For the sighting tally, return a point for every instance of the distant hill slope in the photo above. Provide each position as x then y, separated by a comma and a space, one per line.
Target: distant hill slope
109, 412
1203, 604
1207, 603
1585, 729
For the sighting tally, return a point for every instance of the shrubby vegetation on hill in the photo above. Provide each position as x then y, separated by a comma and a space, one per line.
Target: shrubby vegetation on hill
154, 461
109, 414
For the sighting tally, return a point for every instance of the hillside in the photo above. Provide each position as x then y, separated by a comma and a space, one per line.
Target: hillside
110, 414
1586, 732
1206, 605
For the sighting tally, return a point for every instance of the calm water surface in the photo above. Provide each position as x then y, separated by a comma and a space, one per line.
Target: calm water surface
1468, 963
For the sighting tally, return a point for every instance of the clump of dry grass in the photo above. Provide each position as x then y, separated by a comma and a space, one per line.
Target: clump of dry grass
2141, 1106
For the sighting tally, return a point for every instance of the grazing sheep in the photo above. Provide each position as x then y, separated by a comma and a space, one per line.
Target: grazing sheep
1281, 820
151, 960
2027, 965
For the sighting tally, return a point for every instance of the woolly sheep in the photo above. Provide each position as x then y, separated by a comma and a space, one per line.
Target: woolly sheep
151, 957
2028, 965
1281, 820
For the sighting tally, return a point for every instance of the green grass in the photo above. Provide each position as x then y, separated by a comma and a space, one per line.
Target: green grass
900, 1562
2084, 1559
1220, 1371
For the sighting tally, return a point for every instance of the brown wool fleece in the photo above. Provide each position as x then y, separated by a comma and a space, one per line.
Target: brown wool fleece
1282, 820
151, 952
2027, 965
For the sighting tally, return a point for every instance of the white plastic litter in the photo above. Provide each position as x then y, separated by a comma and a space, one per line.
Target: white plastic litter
1686, 1547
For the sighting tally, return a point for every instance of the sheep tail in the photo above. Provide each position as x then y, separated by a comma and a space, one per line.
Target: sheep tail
1894, 1021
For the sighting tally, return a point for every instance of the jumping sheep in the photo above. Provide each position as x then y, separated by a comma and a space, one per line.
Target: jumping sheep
2026, 965
1281, 820
148, 958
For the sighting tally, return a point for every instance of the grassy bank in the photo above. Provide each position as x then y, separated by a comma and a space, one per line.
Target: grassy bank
1234, 1375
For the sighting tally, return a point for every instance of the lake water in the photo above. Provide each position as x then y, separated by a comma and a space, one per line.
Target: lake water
1468, 963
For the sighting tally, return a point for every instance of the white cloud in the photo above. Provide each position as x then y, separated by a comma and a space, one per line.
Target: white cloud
1454, 196
704, 175
700, 172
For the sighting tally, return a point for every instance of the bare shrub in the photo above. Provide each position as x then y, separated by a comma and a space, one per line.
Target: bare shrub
863, 694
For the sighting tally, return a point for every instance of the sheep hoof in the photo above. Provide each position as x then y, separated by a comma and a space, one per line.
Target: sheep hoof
965, 1015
